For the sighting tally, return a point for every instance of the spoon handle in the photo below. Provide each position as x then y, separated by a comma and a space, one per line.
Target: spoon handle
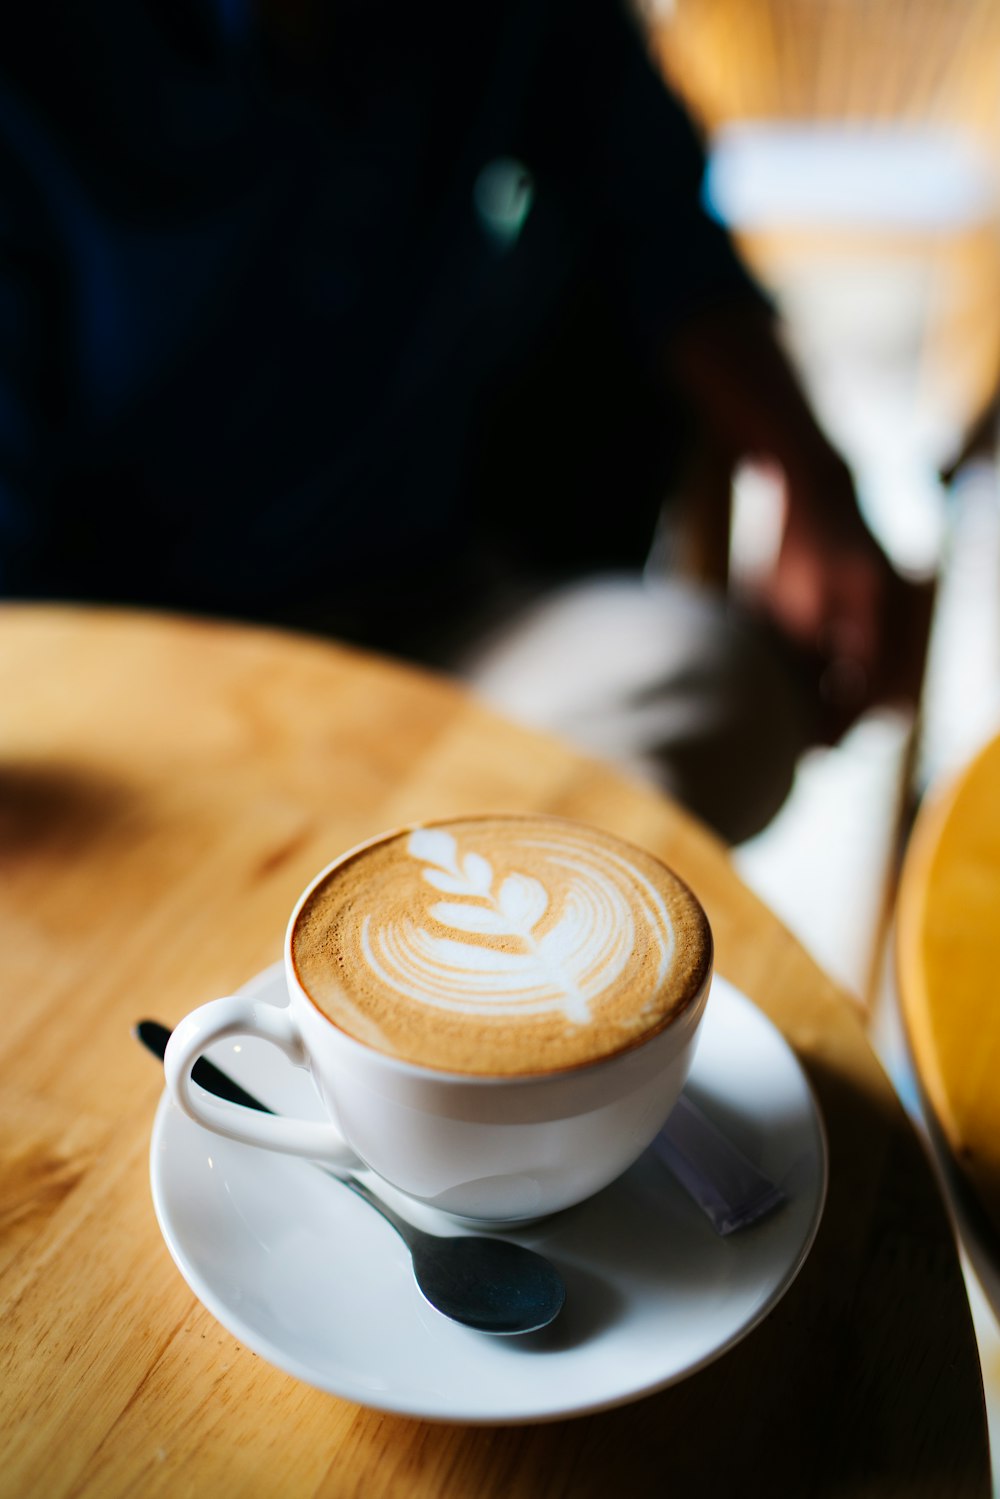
406, 1231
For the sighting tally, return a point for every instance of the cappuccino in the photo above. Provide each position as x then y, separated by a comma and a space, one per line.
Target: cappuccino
501, 946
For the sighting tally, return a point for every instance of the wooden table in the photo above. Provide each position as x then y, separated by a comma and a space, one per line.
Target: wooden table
166, 788
949, 970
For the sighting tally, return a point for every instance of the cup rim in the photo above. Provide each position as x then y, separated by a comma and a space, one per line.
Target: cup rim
696, 1000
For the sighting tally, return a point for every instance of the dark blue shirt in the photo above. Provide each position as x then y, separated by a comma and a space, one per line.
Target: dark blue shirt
257, 288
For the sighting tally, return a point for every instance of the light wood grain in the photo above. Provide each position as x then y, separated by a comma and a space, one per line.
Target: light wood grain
167, 787
948, 947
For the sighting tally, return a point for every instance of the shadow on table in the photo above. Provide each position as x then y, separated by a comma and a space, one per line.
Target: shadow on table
863, 1379
57, 807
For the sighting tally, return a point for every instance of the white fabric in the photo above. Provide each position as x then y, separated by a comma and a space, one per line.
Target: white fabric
661, 678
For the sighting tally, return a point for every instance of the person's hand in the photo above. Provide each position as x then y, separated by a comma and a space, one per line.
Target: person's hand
854, 629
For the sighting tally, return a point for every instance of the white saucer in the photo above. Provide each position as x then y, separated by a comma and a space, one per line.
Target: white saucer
304, 1273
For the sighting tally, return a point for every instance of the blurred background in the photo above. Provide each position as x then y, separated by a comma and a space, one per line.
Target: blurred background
855, 153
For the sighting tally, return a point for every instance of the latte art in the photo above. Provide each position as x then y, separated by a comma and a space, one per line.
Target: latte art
501, 945
557, 945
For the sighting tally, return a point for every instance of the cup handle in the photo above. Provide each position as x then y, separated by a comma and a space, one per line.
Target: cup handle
240, 1016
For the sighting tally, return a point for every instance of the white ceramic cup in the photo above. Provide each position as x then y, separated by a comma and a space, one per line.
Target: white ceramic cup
491, 1150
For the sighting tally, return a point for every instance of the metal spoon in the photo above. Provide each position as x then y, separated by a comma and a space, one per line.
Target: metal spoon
492, 1285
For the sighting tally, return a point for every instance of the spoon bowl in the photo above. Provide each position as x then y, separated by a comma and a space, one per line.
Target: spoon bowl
491, 1284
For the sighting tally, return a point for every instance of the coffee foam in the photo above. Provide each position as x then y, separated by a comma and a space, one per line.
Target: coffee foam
501, 945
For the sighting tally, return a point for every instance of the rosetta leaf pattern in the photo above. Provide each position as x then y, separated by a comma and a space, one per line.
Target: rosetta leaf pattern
450, 884
482, 920
435, 846
514, 911
523, 901
479, 873
547, 958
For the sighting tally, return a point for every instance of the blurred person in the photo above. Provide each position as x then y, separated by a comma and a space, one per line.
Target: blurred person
396, 322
